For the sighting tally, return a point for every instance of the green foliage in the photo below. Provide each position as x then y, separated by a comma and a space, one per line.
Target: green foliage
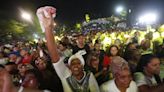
12, 30
19, 31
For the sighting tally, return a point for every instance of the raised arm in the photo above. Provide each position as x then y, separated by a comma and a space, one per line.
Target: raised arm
45, 16
46, 21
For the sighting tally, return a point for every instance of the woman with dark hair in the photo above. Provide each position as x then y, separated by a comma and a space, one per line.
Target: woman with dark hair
147, 74
112, 52
48, 78
95, 66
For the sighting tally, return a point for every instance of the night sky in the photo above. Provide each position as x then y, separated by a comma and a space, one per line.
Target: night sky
72, 11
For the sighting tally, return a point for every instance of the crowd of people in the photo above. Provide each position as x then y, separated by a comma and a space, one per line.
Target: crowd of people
79, 64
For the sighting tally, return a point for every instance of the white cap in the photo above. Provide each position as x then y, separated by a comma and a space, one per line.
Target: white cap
79, 56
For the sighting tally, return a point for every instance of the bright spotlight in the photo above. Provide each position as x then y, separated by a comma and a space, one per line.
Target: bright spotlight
148, 18
119, 9
26, 16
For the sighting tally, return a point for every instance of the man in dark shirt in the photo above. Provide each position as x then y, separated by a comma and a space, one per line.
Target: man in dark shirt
81, 46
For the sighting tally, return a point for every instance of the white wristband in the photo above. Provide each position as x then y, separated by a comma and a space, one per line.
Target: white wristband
21, 89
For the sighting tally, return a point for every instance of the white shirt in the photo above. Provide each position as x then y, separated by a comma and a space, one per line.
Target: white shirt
67, 53
63, 72
22, 88
110, 86
141, 79
3, 61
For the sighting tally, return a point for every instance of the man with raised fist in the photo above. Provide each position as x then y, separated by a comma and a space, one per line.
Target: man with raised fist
74, 79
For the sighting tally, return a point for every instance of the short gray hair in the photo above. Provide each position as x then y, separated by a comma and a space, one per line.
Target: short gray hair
118, 64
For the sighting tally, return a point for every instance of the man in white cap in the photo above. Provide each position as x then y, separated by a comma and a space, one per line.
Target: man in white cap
74, 78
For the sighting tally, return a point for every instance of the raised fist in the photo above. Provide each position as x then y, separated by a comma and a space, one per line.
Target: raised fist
46, 17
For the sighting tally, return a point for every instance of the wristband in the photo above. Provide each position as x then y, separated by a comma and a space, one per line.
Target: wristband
21, 89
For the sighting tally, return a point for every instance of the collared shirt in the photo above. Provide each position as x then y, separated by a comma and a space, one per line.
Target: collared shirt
110, 86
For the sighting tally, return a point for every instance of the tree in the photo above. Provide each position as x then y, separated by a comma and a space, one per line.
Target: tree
13, 30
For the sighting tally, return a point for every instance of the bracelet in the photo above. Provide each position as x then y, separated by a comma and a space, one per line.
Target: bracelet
21, 89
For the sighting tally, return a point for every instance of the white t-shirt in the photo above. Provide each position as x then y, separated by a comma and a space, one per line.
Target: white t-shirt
22, 88
63, 72
141, 79
3, 61
110, 86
